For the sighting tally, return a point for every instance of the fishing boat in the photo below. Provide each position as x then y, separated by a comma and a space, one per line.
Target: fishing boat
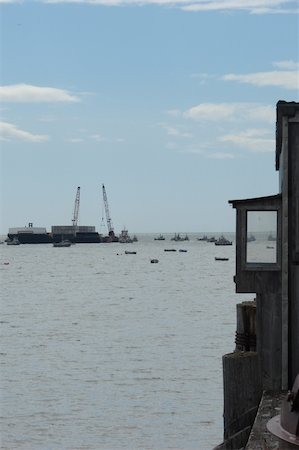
221, 259
177, 237
212, 239
182, 250
127, 252
223, 241
169, 249
124, 237
160, 238
63, 243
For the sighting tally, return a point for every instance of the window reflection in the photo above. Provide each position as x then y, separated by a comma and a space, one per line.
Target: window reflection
261, 237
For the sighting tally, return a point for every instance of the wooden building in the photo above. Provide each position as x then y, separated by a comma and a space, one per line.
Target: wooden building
266, 357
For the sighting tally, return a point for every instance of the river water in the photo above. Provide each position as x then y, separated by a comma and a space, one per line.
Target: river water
101, 350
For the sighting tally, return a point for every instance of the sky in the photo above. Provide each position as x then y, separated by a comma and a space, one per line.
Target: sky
170, 103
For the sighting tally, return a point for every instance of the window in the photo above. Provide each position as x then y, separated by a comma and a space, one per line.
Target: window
261, 237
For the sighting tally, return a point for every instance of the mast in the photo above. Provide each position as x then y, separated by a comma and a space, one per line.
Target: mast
108, 218
76, 209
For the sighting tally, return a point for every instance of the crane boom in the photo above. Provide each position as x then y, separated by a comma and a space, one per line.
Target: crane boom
108, 218
76, 208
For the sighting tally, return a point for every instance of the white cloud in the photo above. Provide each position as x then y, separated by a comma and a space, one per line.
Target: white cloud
9, 131
288, 65
175, 132
221, 155
75, 140
25, 93
252, 6
283, 79
98, 137
230, 111
256, 140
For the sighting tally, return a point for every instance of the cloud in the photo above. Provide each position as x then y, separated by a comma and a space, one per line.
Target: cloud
75, 140
98, 137
289, 65
25, 93
221, 155
230, 111
283, 79
252, 6
9, 132
175, 132
256, 140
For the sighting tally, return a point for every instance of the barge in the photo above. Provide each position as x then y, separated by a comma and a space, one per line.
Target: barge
39, 235
30, 235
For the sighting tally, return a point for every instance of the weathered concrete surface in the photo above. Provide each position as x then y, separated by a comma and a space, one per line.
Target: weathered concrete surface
260, 438
242, 391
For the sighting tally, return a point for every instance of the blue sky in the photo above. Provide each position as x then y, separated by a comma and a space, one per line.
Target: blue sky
171, 104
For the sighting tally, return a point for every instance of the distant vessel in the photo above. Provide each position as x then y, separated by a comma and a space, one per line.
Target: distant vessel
135, 238
63, 243
154, 261
169, 249
14, 241
223, 241
130, 253
81, 234
251, 238
30, 235
204, 238
177, 237
124, 237
160, 238
212, 239
221, 259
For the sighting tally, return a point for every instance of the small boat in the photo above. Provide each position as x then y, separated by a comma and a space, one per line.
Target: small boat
177, 237
182, 250
63, 243
154, 261
223, 241
251, 238
169, 249
212, 239
14, 241
204, 238
127, 252
135, 238
270, 246
221, 259
124, 237
159, 238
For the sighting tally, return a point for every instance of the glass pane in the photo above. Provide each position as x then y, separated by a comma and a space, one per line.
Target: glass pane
261, 237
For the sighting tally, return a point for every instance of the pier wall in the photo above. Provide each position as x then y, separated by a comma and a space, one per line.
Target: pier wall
265, 361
